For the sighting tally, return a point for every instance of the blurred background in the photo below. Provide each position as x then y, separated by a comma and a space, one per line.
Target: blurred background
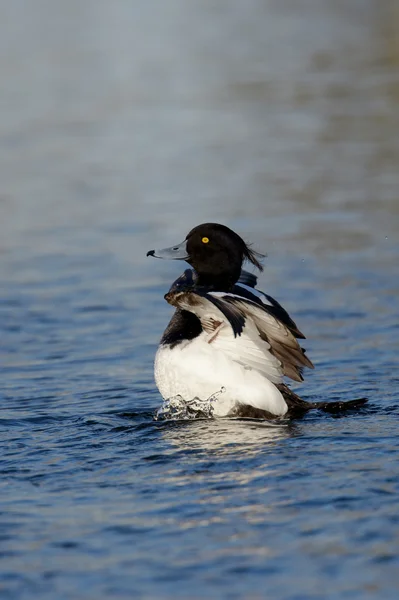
124, 124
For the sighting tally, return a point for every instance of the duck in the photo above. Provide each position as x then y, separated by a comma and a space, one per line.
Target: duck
227, 341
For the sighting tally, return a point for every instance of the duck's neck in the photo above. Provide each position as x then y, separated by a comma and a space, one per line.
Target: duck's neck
221, 283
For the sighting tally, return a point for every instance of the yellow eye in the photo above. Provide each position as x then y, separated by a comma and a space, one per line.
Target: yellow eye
205, 240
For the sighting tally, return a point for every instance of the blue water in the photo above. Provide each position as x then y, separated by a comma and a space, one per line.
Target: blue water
123, 125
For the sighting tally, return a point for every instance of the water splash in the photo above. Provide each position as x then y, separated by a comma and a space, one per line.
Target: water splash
176, 408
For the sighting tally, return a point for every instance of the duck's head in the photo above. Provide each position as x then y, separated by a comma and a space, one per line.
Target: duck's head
215, 252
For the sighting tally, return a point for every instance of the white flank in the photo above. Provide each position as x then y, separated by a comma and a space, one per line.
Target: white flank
199, 369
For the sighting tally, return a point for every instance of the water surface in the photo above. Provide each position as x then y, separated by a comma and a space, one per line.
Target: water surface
123, 125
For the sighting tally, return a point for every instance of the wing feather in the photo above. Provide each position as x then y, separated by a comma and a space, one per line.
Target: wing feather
247, 332
282, 339
219, 321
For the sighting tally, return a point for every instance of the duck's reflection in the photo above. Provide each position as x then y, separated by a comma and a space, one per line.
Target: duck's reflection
227, 436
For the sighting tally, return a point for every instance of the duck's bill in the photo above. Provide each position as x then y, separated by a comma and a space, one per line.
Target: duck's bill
178, 252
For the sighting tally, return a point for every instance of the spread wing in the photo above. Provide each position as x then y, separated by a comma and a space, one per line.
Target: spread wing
273, 307
230, 332
245, 287
281, 334
248, 331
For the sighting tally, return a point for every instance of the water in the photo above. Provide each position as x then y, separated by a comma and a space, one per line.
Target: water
177, 408
123, 125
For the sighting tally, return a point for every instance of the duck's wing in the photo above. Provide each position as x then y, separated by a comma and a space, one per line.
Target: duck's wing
186, 280
250, 324
275, 326
245, 287
229, 330
272, 306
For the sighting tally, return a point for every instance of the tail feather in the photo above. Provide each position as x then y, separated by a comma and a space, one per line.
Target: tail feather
298, 407
341, 406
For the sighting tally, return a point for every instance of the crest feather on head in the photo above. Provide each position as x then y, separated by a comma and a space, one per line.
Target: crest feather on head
254, 257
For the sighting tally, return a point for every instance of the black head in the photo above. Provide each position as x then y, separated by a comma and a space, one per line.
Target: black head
215, 252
